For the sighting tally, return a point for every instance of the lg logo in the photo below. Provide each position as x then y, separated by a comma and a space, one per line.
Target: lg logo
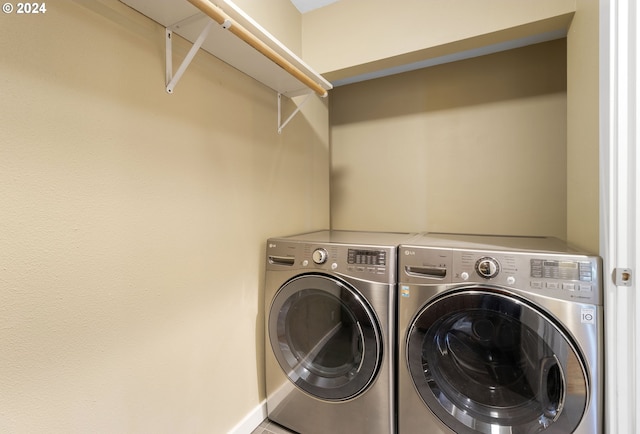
409, 253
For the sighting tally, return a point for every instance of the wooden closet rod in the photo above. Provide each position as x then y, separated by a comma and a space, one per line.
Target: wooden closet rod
216, 14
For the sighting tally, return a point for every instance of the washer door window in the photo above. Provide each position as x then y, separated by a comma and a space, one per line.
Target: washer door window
325, 337
487, 362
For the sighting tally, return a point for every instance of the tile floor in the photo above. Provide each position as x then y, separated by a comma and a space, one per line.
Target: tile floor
268, 427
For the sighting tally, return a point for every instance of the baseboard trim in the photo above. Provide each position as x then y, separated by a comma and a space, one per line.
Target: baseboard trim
252, 420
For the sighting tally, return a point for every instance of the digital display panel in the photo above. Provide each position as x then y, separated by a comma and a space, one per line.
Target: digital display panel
566, 270
367, 257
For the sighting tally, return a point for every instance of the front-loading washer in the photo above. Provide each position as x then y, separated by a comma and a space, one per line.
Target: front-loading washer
499, 335
330, 300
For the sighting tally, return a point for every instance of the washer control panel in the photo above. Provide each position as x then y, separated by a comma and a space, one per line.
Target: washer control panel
566, 276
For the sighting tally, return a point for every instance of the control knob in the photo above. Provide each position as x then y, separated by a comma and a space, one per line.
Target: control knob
319, 256
487, 267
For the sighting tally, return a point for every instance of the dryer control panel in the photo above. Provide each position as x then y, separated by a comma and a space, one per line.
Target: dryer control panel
371, 263
564, 276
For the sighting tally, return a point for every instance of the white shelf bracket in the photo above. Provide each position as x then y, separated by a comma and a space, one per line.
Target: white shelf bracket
281, 124
171, 79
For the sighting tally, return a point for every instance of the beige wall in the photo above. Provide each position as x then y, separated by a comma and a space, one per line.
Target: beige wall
474, 146
133, 223
360, 36
278, 17
582, 127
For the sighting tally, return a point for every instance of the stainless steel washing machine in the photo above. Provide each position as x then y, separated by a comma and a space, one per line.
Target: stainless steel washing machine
499, 335
330, 299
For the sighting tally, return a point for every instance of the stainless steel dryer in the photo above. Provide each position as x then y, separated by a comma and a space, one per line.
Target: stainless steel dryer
330, 301
499, 335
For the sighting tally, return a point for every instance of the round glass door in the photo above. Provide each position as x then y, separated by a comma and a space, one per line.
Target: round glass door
325, 337
487, 362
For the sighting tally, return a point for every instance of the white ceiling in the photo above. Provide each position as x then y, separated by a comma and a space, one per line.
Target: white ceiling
309, 5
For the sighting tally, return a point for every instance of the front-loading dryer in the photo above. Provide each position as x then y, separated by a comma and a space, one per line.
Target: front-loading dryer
499, 335
330, 300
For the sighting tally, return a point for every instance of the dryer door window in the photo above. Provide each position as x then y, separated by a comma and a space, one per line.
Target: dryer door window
325, 337
488, 362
